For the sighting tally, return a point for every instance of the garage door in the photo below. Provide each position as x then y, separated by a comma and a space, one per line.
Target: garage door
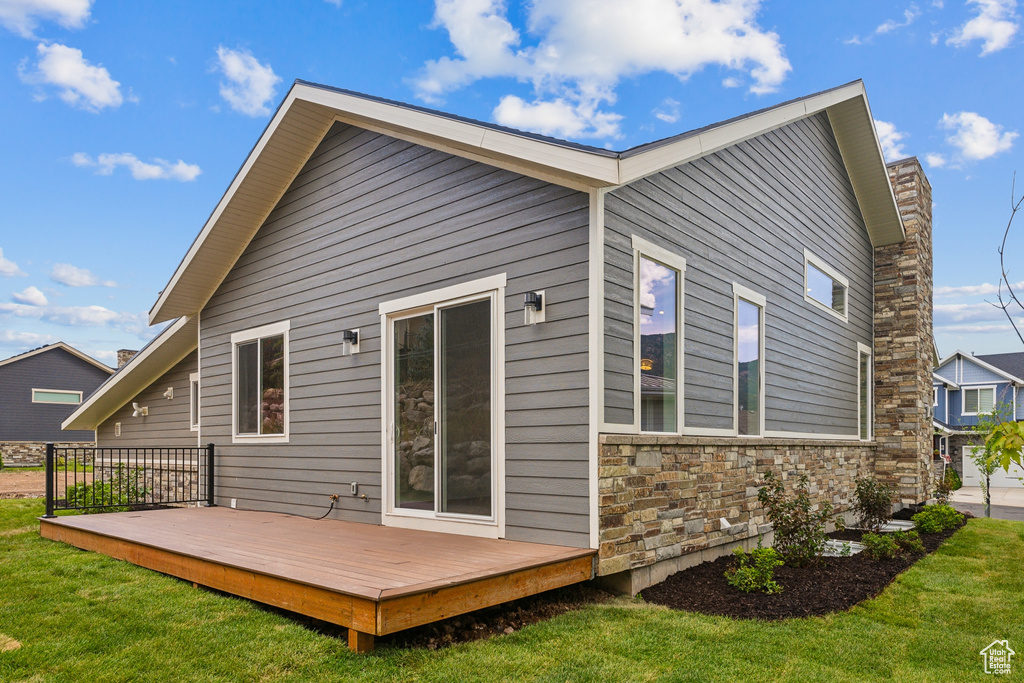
1000, 478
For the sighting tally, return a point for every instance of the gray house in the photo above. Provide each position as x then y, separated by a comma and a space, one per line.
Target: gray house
39, 389
486, 332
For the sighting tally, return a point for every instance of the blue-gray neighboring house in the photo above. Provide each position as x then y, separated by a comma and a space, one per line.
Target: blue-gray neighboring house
966, 387
39, 389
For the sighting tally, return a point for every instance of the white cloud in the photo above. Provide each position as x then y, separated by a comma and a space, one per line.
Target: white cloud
79, 83
652, 275
558, 118
731, 82
9, 268
995, 25
945, 314
668, 111
31, 296
159, 169
73, 276
983, 289
891, 139
980, 329
935, 160
909, 15
250, 85
26, 339
73, 316
583, 48
976, 137
23, 16
336, 3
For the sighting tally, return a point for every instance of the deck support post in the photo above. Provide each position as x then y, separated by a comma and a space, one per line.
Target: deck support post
51, 477
209, 476
359, 642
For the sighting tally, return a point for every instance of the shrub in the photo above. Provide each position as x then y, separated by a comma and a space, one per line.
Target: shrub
880, 546
118, 493
909, 541
755, 572
799, 528
954, 479
874, 502
934, 519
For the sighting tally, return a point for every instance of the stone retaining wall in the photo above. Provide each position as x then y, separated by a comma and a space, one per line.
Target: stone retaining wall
662, 500
32, 453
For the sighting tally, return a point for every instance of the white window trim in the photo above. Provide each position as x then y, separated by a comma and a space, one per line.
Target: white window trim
57, 391
749, 295
490, 287
935, 396
653, 252
863, 349
282, 328
818, 263
963, 398
193, 401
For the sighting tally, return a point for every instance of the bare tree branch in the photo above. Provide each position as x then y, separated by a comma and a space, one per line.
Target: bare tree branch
1011, 299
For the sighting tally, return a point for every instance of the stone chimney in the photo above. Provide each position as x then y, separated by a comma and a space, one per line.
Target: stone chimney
903, 340
123, 356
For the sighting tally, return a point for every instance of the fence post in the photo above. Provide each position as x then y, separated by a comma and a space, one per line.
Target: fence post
50, 477
209, 476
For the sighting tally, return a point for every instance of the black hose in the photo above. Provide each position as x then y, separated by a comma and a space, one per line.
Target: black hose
328, 509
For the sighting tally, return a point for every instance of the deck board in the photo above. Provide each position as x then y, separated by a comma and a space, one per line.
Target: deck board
373, 579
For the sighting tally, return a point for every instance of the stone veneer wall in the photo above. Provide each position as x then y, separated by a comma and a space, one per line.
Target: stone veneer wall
662, 499
33, 453
903, 340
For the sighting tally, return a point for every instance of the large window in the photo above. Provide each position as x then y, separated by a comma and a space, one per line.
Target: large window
56, 396
261, 383
824, 286
979, 401
864, 391
659, 287
749, 367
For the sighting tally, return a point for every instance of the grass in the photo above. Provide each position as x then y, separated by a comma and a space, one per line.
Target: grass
83, 617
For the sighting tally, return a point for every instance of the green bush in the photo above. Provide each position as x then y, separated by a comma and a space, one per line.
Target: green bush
934, 519
873, 505
953, 479
755, 572
799, 528
119, 493
909, 541
880, 546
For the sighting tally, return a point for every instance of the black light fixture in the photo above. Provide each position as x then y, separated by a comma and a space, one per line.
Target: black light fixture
349, 342
533, 307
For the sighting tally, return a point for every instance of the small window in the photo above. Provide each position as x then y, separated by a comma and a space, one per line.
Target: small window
979, 401
117, 429
824, 287
56, 396
935, 397
261, 383
864, 391
193, 401
749, 363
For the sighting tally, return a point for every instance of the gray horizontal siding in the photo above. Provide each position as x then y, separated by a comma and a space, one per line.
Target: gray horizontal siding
745, 214
168, 421
23, 420
371, 219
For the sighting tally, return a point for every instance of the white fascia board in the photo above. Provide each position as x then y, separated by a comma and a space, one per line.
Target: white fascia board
942, 380
167, 349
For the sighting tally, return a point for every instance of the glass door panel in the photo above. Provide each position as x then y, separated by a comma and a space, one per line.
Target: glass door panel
414, 412
464, 414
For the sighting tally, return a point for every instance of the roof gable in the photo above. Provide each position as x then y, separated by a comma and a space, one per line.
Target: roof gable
309, 110
974, 371
59, 346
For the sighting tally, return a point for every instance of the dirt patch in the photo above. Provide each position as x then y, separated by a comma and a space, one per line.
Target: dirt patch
834, 585
7, 644
16, 483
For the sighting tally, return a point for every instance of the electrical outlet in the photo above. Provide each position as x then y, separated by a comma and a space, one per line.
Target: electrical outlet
355, 488
234, 502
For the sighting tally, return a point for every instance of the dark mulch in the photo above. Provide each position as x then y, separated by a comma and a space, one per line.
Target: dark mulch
835, 585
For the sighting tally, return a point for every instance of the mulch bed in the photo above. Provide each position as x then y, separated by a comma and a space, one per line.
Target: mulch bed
834, 585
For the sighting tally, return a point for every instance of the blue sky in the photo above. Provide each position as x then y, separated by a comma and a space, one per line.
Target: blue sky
124, 122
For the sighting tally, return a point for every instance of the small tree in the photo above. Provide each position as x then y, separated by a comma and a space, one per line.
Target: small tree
798, 523
984, 455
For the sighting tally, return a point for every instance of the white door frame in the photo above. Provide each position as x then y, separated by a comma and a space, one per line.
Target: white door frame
492, 288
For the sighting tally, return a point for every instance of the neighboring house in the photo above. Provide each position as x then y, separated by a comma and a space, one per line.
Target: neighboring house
966, 387
739, 298
38, 391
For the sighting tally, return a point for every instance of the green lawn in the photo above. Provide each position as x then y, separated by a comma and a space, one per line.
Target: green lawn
85, 618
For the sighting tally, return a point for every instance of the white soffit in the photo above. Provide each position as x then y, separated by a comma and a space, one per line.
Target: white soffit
308, 112
168, 348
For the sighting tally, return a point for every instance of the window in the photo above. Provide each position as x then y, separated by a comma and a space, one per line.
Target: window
260, 368
117, 429
935, 397
748, 378
56, 396
193, 401
865, 384
979, 401
824, 287
658, 329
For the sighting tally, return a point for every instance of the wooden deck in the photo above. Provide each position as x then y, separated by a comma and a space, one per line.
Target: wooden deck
374, 580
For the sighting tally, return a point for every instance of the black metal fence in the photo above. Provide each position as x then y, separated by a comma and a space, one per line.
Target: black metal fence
119, 479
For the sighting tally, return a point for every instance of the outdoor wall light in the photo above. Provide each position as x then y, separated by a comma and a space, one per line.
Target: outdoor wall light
139, 411
533, 307
169, 394
349, 342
